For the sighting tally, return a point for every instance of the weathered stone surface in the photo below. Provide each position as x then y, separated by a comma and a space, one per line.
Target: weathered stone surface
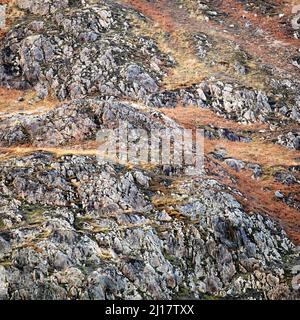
74, 226
81, 50
78, 121
89, 231
290, 140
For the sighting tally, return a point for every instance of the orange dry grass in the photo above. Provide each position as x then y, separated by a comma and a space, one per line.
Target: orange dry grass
276, 45
154, 11
271, 25
260, 194
12, 13
194, 117
173, 29
261, 198
85, 150
9, 103
189, 69
264, 153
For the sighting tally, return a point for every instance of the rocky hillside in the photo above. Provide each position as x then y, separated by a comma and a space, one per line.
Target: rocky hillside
75, 227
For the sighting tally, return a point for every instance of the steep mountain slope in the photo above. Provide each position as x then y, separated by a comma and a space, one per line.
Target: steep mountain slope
74, 227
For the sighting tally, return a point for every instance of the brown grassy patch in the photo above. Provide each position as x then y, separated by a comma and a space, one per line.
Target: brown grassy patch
191, 117
264, 153
172, 27
12, 14
259, 197
9, 103
269, 24
189, 69
86, 149
154, 11
275, 46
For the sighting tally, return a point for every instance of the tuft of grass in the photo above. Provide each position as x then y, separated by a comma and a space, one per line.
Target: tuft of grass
183, 293
105, 254
34, 213
6, 263
210, 297
2, 224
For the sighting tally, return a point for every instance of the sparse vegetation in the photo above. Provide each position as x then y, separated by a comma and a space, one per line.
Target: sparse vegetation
33, 213
73, 227
16, 101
